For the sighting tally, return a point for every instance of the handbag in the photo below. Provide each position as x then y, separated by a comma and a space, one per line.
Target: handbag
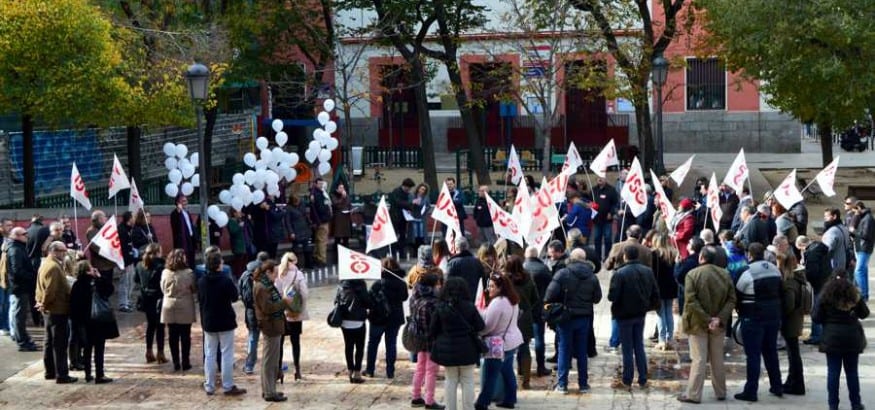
297, 304
478, 342
335, 316
495, 344
407, 337
556, 314
101, 312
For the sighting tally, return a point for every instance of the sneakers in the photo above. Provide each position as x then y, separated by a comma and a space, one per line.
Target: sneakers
235, 391
435, 406
584, 390
32, 347
612, 350
561, 390
745, 397
125, 309
417, 403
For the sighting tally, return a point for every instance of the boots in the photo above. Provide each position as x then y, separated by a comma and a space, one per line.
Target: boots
160, 358
526, 371
355, 377
150, 357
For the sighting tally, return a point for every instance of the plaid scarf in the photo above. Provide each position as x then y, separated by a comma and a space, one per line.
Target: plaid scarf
274, 296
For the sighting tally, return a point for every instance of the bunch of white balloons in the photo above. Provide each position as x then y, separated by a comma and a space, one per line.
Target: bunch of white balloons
218, 215
323, 143
180, 170
267, 170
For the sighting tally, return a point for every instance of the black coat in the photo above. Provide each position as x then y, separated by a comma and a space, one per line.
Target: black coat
633, 291
215, 294
817, 264
140, 237
297, 221
127, 244
20, 271
149, 280
842, 330
577, 287
353, 295
466, 266
864, 235
607, 199
80, 307
481, 213
664, 272
541, 275
396, 293
454, 329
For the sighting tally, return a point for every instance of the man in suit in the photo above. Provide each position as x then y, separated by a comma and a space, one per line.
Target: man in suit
182, 225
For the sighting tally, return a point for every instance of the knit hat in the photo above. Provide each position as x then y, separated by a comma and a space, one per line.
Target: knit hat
686, 203
423, 256
764, 209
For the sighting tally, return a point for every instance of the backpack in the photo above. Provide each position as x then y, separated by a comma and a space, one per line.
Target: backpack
807, 297
246, 287
380, 309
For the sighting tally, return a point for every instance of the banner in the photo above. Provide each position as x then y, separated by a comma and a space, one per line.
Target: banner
572, 161
737, 174
680, 172
604, 159
713, 201
135, 201
545, 216
633, 189
445, 210
118, 180
450, 238
827, 177
109, 243
503, 223
522, 210
660, 199
787, 194
382, 231
557, 186
354, 265
77, 189
514, 168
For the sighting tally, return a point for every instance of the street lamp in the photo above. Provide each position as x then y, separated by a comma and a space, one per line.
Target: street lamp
659, 74
198, 78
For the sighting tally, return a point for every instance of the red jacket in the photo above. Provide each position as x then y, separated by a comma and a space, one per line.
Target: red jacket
684, 232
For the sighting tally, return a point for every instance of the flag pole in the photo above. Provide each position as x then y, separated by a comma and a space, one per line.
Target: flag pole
589, 183
623, 223
76, 222
393, 274
809, 184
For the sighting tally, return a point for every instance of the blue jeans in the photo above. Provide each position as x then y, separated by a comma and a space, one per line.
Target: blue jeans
602, 237
816, 328
251, 350
614, 341
19, 310
680, 300
573, 342
391, 338
540, 347
666, 319
760, 339
861, 274
632, 341
4, 310
834, 364
493, 369
212, 341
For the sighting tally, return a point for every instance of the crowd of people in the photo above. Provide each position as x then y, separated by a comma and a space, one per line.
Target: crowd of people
753, 276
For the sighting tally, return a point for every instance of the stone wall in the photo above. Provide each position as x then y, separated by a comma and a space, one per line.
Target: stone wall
727, 132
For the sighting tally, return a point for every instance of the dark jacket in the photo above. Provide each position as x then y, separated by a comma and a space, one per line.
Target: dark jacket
215, 294
37, 233
579, 217
541, 275
842, 330
685, 266
454, 329
320, 212
127, 243
341, 223
297, 222
756, 230
149, 280
142, 236
481, 213
399, 201
864, 234
530, 307
237, 237
800, 217
422, 308
466, 266
80, 307
353, 296
664, 272
728, 204
607, 199
22, 275
791, 320
460, 206
182, 239
760, 289
577, 287
633, 291
396, 293
817, 264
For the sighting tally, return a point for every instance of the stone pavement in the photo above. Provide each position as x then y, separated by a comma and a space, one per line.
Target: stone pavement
325, 383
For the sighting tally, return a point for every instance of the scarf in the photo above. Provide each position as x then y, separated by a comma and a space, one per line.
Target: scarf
274, 296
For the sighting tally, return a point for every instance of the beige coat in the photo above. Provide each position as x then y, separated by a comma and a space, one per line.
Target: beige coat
294, 277
179, 290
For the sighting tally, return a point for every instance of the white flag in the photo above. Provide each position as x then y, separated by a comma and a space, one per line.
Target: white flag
545, 216
738, 173
541, 241
827, 177
355, 265
680, 172
522, 210
633, 189
713, 201
514, 167
118, 180
572, 161
135, 201
666, 209
604, 159
445, 210
504, 224
450, 238
109, 243
77, 188
787, 194
382, 231
557, 186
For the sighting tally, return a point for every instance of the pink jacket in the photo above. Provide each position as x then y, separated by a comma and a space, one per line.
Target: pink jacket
294, 277
499, 316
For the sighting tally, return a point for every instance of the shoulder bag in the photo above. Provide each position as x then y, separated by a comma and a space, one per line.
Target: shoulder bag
556, 314
495, 344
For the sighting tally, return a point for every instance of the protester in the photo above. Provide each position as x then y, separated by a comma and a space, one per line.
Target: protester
729, 202
148, 280
289, 280
237, 236
53, 300
268, 229
500, 318
352, 297
464, 265
22, 278
420, 204
246, 284
483, 217
840, 310
529, 306
269, 304
96, 333
177, 309
341, 219
6, 226
864, 239
389, 292
422, 307
215, 293
745, 201
454, 329
791, 320
683, 226
488, 257
320, 216
441, 255
815, 259
126, 281
664, 259
37, 233
142, 233
184, 231
607, 200
556, 256
300, 230
753, 229
837, 238
456, 194
400, 201
542, 277
579, 216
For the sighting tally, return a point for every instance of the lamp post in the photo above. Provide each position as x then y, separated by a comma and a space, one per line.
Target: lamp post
659, 74
198, 78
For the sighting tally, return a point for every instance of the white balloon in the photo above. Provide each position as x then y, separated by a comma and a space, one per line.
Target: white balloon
261, 143
273, 191
324, 168
225, 197
260, 175
237, 203
182, 163
281, 138
181, 150
330, 127
170, 149
328, 105
187, 188
310, 155
221, 219
213, 211
277, 125
249, 177
246, 195
249, 159
171, 190
315, 146
188, 171
257, 197
196, 180
278, 154
175, 176
194, 158
332, 144
266, 156
324, 155
292, 175
260, 164
170, 163
271, 178
323, 118
237, 179
293, 159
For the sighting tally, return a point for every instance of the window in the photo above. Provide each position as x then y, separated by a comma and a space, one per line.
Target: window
706, 84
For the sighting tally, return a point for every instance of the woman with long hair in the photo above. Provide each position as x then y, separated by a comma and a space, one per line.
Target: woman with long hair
390, 292
839, 309
89, 283
500, 318
148, 280
440, 253
290, 280
454, 329
352, 297
269, 307
420, 206
791, 320
529, 306
422, 307
664, 259
177, 310
488, 256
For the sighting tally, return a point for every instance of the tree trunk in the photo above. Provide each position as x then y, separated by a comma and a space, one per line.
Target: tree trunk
28, 164
135, 167
544, 128
421, 99
470, 124
645, 135
824, 131
210, 116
